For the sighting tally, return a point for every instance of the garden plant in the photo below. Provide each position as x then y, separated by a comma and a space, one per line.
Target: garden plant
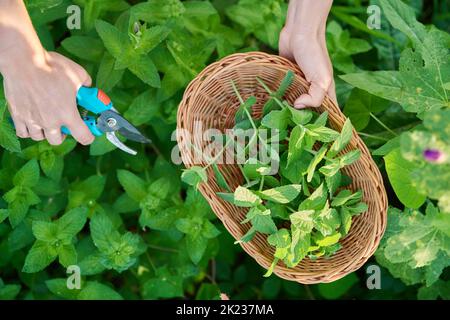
137, 226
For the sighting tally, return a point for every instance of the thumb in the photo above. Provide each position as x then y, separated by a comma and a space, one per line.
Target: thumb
87, 82
313, 98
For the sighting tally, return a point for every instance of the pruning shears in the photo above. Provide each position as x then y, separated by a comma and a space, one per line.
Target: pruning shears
109, 121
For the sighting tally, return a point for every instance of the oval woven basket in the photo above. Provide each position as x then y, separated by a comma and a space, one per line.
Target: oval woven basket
209, 98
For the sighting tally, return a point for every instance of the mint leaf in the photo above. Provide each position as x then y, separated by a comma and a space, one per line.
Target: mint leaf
40, 256
194, 176
245, 198
97, 291
134, 186
283, 194
28, 175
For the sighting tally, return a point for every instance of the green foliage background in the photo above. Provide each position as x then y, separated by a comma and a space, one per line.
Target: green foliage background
137, 232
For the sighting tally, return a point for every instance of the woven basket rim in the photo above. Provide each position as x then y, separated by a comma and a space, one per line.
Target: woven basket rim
204, 88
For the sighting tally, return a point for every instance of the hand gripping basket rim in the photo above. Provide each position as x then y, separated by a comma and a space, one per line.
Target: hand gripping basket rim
209, 98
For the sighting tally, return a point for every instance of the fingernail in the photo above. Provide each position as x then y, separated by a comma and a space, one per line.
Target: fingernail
299, 106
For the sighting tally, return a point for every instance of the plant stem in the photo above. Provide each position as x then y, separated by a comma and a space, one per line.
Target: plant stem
382, 124
98, 166
151, 246
261, 184
242, 171
290, 209
372, 136
150, 261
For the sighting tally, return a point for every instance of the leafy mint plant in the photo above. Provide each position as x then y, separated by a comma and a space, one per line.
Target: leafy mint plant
22, 196
55, 239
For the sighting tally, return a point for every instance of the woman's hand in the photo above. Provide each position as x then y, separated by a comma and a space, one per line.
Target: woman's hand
303, 41
42, 98
40, 86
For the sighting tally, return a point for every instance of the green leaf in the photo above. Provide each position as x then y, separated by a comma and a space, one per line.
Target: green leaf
341, 142
28, 175
276, 119
45, 231
418, 242
8, 138
71, 223
194, 176
349, 158
97, 291
220, 178
107, 76
264, 223
196, 246
346, 197
87, 48
280, 239
300, 117
59, 288
144, 108
3, 215
399, 173
328, 240
134, 186
243, 197
359, 106
144, 68
283, 194
315, 161
387, 147
164, 285
9, 291
208, 291
67, 255
113, 39
302, 221
321, 133
403, 17
118, 251
39, 257
316, 201
295, 144
338, 288
150, 38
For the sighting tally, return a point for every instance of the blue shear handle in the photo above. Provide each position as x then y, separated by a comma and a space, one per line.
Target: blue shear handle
90, 122
93, 100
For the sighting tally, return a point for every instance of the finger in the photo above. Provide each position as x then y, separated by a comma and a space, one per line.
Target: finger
332, 92
80, 131
54, 136
313, 98
36, 132
21, 129
87, 82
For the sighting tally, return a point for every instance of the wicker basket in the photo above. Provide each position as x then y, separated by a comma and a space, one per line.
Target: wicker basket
209, 98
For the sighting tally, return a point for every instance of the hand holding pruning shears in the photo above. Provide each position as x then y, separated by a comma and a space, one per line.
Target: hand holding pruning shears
109, 121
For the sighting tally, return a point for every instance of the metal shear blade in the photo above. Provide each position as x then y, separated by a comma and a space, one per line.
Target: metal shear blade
111, 121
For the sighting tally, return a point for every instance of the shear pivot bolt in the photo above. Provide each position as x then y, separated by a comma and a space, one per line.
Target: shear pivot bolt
111, 122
